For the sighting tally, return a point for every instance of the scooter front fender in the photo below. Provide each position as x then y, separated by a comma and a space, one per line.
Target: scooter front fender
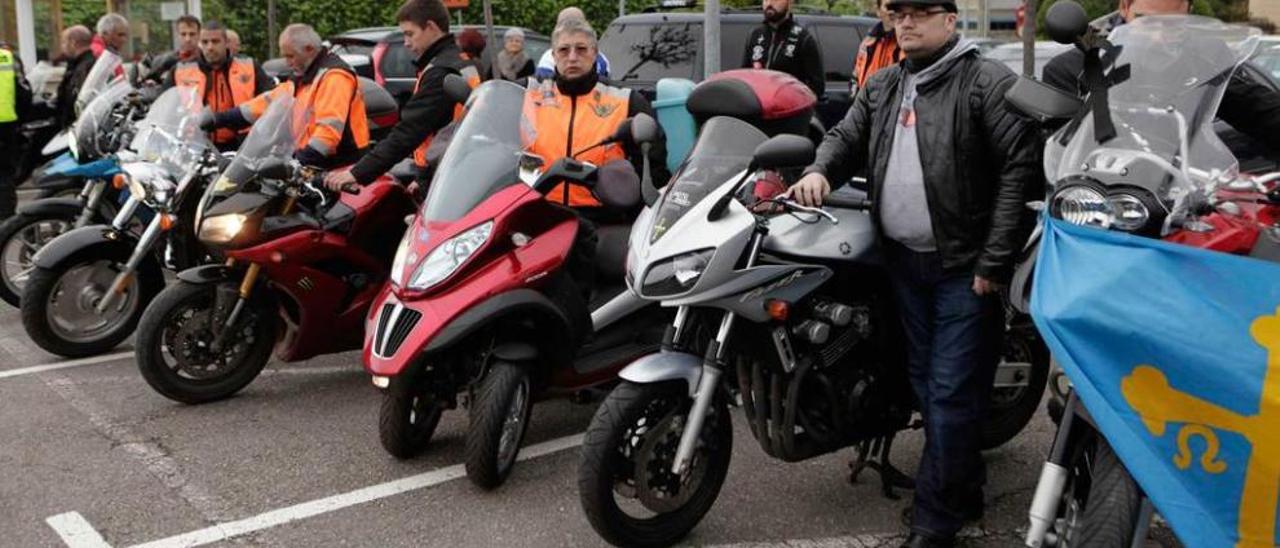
665, 366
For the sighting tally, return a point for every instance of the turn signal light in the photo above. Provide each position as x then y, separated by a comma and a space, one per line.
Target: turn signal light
119, 181
277, 257
168, 221
778, 310
381, 382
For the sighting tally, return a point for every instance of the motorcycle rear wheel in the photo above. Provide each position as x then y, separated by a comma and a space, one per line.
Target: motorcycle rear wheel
21, 236
174, 355
625, 483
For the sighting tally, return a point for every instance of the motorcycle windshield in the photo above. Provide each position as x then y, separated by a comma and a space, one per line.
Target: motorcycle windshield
170, 135
484, 155
93, 128
723, 150
1163, 113
104, 70
272, 137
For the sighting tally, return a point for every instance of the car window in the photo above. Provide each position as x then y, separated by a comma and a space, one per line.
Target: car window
353, 49
649, 52
398, 62
839, 45
733, 43
534, 47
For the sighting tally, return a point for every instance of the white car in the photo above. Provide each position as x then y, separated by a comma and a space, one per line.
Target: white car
1011, 54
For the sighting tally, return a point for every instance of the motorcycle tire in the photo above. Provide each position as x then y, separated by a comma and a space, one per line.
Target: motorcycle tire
15, 226
1006, 419
44, 287
499, 421
1112, 502
626, 421
155, 338
406, 422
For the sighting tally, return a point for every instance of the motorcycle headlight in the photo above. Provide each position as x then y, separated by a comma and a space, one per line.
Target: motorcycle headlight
451, 255
402, 253
73, 145
1129, 213
676, 275
222, 229
1082, 205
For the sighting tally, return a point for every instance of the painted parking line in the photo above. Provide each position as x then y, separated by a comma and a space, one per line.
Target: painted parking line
95, 360
282, 516
76, 531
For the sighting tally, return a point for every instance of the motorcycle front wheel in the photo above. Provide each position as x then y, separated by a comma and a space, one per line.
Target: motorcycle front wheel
21, 236
1101, 504
175, 344
625, 483
499, 421
407, 420
1012, 408
59, 304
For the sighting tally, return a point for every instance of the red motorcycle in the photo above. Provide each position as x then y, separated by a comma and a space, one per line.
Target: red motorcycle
302, 268
482, 308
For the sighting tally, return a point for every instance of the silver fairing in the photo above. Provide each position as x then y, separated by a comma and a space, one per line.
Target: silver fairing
853, 240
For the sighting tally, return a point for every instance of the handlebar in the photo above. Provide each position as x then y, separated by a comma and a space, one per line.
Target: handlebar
858, 204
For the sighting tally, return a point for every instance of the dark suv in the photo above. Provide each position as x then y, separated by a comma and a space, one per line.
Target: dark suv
392, 64
645, 47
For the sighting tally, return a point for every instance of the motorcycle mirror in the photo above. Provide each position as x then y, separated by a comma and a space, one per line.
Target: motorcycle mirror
566, 170
530, 167
273, 168
1042, 101
644, 129
456, 88
1066, 22
618, 184
783, 151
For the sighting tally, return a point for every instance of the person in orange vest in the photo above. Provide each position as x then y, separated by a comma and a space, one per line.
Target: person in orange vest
224, 81
326, 89
573, 111
426, 33
878, 50
188, 35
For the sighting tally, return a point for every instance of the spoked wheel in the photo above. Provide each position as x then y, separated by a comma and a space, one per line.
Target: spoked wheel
177, 339
407, 421
60, 305
625, 482
1012, 407
499, 420
1101, 503
21, 236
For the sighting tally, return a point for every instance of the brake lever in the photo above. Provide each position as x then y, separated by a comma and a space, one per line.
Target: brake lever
813, 210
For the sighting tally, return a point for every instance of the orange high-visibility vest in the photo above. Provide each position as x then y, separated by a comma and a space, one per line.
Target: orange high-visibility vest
559, 125
472, 74
226, 90
331, 92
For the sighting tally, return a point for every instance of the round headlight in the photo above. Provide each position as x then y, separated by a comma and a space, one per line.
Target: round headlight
1129, 213
1081, 205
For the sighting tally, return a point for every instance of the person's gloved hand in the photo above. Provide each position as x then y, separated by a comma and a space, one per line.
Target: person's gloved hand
308, 156
208, 121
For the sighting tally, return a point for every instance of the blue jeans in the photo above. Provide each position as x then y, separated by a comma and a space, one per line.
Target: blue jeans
954, 340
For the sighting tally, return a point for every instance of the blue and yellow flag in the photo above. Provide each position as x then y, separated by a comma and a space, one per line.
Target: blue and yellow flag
1175, 351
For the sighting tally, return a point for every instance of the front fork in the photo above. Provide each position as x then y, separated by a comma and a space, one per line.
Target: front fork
91, 196
712, 369
140, 251
246, 286
1053, 482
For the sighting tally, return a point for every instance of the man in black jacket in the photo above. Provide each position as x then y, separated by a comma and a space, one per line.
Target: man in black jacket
188, 50
1247, 105
951, 168
784, 45
76, 50
426, 33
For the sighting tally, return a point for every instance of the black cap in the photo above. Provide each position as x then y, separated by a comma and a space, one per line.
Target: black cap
950, 5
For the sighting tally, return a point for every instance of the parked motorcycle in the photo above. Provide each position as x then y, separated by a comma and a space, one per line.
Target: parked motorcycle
790, 316
482, 308
1148, 163
105, 124
91, 284
302, 268
40, 129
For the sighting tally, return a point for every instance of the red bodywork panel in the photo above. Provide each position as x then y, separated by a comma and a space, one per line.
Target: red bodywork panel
1234, 234
781, 96
498, 267
330, 313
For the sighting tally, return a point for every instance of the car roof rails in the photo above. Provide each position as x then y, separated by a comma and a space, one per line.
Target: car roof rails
671, 5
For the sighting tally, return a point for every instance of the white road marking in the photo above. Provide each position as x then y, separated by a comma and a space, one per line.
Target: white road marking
155, 460
275, 518
65, 365
76, 531
882, 540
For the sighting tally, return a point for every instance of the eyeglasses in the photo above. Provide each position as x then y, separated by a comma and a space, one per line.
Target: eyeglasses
898, 17
564, 51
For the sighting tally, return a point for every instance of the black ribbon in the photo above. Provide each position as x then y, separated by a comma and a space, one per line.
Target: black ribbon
1097, 86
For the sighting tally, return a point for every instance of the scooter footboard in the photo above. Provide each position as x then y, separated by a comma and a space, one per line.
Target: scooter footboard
665, 366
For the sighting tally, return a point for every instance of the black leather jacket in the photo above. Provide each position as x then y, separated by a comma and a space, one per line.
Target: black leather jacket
790, 48
981, 159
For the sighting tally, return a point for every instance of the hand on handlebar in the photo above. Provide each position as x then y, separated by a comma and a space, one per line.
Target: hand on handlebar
810, 190
341, 181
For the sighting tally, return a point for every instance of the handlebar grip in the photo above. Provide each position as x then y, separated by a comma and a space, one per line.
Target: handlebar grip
861, 204
351, 188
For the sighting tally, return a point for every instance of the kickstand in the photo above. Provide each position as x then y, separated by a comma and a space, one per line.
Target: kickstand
874, 454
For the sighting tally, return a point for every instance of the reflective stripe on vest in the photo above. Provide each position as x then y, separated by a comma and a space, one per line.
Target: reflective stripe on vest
473, 79
8, 88
595, 117
356, 125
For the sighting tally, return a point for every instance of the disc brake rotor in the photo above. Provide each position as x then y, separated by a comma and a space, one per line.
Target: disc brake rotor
657, 487
190, 340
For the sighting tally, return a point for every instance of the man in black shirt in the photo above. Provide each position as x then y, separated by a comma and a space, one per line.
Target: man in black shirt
784, 45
